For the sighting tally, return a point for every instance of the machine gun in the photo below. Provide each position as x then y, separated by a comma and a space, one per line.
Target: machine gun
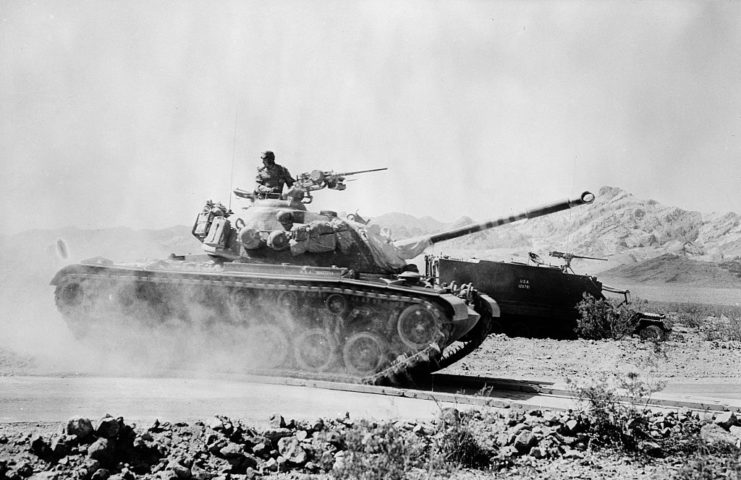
568, 257
319, 179
305, 183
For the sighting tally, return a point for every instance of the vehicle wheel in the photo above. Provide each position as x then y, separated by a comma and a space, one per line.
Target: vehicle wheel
418, 326
364, 353
70, 296
288, 300
337, 304
268, 346
652, 332
315, 350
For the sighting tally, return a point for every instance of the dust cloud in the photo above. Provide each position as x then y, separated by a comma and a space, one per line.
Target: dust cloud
123, 337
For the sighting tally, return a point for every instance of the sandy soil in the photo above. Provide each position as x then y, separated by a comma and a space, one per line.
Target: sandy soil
684, 356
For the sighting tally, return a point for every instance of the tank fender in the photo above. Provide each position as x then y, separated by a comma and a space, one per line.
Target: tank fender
460, 309
489, 304
68, 270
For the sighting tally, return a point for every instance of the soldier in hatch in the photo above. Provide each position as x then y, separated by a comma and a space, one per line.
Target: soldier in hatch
271, 177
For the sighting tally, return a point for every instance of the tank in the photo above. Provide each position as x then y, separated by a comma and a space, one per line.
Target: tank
314, 295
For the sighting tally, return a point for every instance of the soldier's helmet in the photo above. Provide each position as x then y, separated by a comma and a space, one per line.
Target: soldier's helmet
269, 156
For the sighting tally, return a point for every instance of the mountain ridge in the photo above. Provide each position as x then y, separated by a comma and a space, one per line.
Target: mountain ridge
690, 246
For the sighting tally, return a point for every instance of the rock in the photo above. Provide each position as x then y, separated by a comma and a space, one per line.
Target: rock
59, 445
270, 466
537, 452
100, 474
518, 428
651, 448
89, 467
260, 449
275, 434
301, 435
713, 434
571, 453
108, 427
277, 421
232, 451
340, 460
572, 426
317, 425
180, 470
39, 446
24, 469
735, 431
199, 473
725, 419
100, 450
290, 448
282, 463
80, 427
524, 441
507, 452
216, 424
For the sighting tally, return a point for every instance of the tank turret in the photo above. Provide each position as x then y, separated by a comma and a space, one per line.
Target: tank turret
279, 229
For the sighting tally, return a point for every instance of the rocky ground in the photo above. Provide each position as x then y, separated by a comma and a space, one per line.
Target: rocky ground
511, 444
506, 443
685, 356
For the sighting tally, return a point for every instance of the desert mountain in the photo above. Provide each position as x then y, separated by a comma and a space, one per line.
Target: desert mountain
687, 246
642, 240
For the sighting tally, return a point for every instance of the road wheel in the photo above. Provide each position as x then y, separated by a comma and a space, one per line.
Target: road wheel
315, 350
337, 304
418, 326
364, 353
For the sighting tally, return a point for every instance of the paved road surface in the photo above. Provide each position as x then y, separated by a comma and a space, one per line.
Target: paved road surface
51, 399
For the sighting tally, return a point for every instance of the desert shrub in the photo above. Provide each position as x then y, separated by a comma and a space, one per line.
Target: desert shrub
603, 318
722, 329
380, 451
457, 443
615, 408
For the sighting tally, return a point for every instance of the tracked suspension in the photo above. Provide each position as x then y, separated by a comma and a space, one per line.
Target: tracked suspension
303, 329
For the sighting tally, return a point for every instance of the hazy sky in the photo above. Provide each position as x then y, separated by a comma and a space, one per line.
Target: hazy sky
125, 113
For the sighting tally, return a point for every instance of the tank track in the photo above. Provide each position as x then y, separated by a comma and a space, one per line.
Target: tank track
341, 333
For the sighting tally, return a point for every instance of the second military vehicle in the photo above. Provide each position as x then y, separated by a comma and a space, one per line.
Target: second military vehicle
538, 299
314, 295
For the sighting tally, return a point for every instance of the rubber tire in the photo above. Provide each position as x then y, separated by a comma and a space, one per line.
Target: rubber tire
652, 332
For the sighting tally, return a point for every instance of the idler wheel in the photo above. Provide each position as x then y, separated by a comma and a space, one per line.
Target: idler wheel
337, 304
315, 350
267, 345
418, 325
364, 353
70, 296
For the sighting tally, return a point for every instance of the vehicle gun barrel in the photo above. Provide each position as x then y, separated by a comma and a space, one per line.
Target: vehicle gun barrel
414, 246
343, 174
586, 197
570, 256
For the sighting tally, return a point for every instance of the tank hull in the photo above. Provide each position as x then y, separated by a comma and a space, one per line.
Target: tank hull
297, 320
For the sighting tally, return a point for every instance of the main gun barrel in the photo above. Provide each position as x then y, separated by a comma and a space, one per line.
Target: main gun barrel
414, 246
586, 197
